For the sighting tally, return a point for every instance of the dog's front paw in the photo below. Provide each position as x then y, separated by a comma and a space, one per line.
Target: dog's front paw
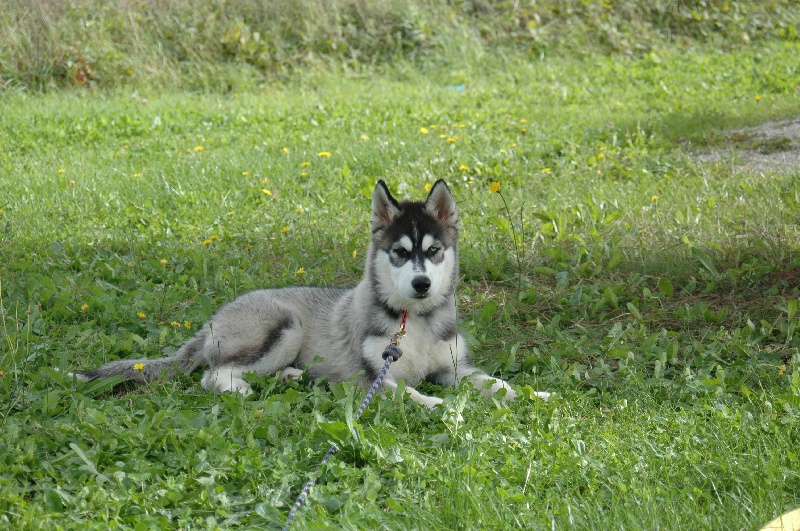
510, 394
430, 401
498, 385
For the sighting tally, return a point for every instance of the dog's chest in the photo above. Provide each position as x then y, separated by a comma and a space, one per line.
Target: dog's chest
424, 355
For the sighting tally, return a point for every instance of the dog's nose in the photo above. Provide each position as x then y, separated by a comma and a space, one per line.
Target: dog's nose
421, 284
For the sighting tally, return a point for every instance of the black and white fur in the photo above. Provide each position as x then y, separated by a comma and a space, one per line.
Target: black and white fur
412, 264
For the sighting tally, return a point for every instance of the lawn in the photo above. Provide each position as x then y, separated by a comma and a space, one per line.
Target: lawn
655, 294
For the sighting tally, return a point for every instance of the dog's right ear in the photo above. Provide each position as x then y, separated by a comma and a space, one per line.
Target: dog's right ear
384, 206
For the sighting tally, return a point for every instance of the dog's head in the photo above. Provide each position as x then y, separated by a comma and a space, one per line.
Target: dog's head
413, 260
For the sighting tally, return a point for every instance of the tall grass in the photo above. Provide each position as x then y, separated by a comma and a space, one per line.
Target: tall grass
226, 45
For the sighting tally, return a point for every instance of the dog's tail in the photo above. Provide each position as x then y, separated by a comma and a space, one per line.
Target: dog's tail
188, 358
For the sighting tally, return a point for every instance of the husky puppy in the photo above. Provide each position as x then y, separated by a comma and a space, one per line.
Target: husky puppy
412, 264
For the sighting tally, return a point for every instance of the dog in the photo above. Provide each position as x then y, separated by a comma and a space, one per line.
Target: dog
411, 265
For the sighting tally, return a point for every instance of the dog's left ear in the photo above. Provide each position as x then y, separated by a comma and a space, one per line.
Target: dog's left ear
440, 203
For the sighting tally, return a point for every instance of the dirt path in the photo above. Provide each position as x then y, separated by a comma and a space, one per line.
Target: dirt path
773, 146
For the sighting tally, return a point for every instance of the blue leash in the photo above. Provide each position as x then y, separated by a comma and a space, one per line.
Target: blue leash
390, 354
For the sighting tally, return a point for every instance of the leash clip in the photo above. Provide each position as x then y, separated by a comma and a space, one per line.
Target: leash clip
397, 337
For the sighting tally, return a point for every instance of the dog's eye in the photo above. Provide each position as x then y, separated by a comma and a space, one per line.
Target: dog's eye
432, 250
402, 252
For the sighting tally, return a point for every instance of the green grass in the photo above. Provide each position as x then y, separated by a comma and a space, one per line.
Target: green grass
655, 295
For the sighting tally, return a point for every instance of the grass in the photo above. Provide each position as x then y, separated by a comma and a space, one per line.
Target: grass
655, 295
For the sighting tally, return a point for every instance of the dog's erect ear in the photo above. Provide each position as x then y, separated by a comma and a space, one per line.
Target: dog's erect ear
440, 203
384, 206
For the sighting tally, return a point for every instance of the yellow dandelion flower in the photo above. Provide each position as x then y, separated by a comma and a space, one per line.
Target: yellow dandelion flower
364, 137
545, 170
231, 213
313, 222
355, 253
427, 187
141, 315
285, 228
138, 367
600, 156
212, 238
199, 148
523, 130
163, 261
187, 324
495, 187
423, 130
523, 121
512, 145
137, 174
301, 271
175, 324
758, 97
61, 170
654, 198
286, 150
72, 182
245, 173
324, 154
85, 308
451, 139
305, 164
208, 241
266, 192
1, 373
782, 369
463, 167
503, 151
303, 173
249, 248
299, 210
